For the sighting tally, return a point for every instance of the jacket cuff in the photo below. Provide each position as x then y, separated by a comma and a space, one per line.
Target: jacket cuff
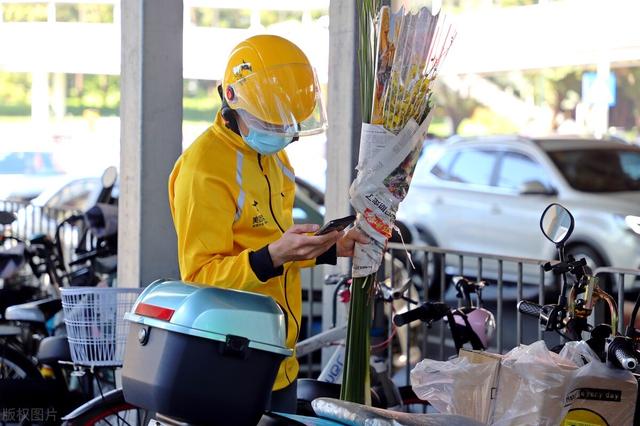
262, 264
329, 257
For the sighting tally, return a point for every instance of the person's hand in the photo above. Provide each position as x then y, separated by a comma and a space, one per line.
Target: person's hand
345, 245
296, 244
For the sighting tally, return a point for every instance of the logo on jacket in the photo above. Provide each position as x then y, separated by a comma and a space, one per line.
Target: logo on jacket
258, 218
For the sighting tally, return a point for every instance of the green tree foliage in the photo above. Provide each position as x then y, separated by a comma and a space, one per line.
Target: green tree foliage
509, 3
450, 104
270, 17
79, 12
220, 18
15, 93
15, 88
24, 12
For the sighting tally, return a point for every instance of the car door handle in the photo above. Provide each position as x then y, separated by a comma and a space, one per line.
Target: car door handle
495, 209
437, 200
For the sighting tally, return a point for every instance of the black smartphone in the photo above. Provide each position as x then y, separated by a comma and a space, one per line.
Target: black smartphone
336, 225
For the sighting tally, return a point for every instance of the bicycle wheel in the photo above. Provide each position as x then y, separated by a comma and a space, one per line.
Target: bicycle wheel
15, 365
110, 409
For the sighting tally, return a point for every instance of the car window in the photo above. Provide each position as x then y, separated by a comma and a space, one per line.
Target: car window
600, 170
517, 169
473, 166
441, 169
28, 163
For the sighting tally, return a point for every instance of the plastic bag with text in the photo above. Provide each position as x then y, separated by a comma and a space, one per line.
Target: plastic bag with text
598, 394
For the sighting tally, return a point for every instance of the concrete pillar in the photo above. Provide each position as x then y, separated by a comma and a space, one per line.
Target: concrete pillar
59, 95
151, 138
343, 137
40, 100
601, 106
255, 19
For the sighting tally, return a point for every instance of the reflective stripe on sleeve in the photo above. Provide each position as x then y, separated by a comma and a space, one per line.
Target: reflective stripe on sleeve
287, 172
240, 200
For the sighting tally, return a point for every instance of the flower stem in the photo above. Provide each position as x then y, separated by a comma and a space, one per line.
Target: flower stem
356, 383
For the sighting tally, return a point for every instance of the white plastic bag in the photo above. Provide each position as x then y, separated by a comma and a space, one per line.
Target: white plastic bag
532, 387
458, 386
579, 353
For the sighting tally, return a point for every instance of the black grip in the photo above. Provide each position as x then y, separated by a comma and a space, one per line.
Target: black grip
529, 308
426, 312
621, 353
626, 358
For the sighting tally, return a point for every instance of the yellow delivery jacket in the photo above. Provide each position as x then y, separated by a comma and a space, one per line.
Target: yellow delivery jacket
228, 203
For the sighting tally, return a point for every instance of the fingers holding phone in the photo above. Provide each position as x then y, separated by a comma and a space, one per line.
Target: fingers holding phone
345, 245
297, 244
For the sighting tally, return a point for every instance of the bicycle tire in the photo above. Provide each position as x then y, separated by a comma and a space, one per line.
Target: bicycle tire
16, 365
109, 409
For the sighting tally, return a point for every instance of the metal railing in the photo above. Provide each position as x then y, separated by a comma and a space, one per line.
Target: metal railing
33, 220
522, 272
522, 278
619, 275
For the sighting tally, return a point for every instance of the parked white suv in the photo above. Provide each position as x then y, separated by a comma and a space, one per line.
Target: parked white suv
486, 195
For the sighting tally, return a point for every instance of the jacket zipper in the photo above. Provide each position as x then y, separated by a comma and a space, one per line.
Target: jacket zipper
286, 297
269, 186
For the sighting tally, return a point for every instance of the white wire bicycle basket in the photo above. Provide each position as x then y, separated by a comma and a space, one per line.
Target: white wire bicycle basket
95, 323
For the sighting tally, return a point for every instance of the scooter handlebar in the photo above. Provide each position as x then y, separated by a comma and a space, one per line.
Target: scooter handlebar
529, 308
428, 311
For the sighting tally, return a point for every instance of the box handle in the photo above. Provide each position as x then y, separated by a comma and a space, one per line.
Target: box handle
236, 346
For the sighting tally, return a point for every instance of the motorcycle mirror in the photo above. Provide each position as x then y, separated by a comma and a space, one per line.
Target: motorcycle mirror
556, 223
109, 177
7, 218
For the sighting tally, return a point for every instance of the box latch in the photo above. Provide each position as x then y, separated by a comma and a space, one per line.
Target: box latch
236, 346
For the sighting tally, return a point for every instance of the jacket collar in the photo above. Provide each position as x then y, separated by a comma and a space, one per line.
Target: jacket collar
229, 136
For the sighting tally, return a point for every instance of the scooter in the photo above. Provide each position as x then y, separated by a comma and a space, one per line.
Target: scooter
578, 295
205, 355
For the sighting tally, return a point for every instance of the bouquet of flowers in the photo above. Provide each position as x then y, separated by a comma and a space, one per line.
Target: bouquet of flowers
399, 57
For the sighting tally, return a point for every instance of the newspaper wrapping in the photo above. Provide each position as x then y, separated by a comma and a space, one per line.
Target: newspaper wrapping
385, 166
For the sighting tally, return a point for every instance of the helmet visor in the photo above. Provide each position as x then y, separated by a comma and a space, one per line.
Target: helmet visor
281, 100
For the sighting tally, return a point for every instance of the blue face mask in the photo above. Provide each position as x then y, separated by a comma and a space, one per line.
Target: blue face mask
266, 143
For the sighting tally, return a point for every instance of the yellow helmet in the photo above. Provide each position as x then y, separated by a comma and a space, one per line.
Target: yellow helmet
272, 86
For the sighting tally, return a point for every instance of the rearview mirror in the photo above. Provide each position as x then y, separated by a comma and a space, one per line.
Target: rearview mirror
109, 177
556, 223
7, 218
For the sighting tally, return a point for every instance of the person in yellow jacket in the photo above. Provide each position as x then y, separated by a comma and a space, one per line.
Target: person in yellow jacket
231, 192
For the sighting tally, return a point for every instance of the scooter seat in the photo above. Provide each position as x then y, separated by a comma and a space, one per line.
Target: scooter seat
37, 311
53, 349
